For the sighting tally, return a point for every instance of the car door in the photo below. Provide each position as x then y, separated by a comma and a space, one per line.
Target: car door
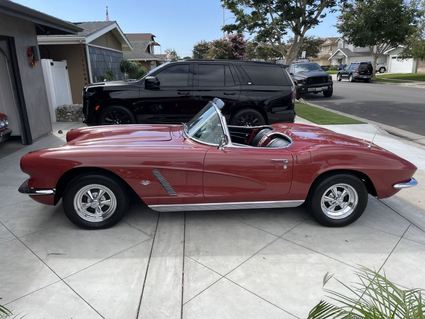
173, 101
213, 80
247, 174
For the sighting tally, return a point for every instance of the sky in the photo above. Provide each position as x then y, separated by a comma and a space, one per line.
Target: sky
177, 24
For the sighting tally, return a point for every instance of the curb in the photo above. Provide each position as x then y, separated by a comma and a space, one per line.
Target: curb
412, 137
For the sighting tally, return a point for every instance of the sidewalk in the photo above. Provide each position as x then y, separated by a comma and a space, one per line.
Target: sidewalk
226, 264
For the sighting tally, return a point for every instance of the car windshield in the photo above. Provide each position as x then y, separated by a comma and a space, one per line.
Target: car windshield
307, 67
206, 126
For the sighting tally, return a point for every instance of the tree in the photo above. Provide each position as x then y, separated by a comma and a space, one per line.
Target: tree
377, 24
233, 47
132, 69
271, 20
201, 49
261, 51
171, 55
311, 45
415, 44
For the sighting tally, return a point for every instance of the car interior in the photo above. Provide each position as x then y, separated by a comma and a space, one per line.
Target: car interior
259, 136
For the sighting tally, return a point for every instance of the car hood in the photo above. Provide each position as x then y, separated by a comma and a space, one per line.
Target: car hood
303, 75
120, 135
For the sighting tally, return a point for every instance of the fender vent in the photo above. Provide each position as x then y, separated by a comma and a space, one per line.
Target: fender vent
164, 183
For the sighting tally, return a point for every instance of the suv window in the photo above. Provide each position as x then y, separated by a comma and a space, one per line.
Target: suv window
266, 75
353, 66
211, 75
175, 75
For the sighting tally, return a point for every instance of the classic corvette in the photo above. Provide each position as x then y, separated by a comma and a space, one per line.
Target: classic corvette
207, 165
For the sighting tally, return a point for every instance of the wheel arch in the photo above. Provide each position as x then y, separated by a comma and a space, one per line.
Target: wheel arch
71, 174
362, 176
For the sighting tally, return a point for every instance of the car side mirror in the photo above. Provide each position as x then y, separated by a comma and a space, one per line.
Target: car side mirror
223, 142
290, 73
152, 83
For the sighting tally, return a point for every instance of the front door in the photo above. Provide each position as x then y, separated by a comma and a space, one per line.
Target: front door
247, 174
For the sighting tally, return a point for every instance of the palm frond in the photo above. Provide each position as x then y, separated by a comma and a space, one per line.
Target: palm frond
374, 296
4, 312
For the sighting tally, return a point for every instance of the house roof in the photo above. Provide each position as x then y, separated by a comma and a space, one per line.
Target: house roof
89, 31
348, 53
329, 40
140, 43
45, 24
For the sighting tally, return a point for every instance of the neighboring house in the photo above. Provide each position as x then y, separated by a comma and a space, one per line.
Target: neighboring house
327, 48
144, 50
347, 53
91, 54
398, 65
22, 88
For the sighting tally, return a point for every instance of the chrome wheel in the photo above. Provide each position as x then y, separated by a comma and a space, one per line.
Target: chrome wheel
95, 203
339, 201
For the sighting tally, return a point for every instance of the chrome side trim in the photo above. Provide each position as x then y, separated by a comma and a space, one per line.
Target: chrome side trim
225, 206
411, 183
164, 183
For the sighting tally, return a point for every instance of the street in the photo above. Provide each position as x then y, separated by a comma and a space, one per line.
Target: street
394, 105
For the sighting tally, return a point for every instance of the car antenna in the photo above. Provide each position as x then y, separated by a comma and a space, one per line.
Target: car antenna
373, 139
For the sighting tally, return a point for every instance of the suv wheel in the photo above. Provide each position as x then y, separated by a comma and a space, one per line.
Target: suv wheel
248, 117
116, 114
350, 78
339, 77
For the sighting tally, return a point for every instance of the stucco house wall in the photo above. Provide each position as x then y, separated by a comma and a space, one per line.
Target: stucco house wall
32, 80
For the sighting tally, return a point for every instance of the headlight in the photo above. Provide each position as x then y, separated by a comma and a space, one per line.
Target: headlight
301, 82
2, 124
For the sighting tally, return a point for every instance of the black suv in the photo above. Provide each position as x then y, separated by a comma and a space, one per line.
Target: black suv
255, 93
356, 71
311, 78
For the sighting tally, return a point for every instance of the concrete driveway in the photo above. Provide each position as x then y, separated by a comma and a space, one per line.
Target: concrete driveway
232, 264
394, 105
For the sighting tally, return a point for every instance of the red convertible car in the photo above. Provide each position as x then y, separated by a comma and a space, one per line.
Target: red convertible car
207, 165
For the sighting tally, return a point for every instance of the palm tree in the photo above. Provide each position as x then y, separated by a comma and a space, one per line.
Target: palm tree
373, 297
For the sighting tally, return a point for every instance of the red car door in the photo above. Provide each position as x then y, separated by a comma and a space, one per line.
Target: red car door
240, 174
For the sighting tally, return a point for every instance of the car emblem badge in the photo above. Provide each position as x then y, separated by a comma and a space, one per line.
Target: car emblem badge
145, 182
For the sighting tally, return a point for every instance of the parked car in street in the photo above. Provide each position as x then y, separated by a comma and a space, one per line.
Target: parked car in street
356, 71
255, 93
311, 78
4, 129
206, 164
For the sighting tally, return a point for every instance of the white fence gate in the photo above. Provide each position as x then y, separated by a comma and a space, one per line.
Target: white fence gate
57, 84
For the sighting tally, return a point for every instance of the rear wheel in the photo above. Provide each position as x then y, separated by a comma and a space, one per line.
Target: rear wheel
95, 201
338, 200
339, 77
350, 78
248, 117
116, 114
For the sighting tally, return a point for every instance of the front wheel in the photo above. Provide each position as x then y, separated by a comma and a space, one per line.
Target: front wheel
328, 93
338, 200
95, 201
339, 77
248, 117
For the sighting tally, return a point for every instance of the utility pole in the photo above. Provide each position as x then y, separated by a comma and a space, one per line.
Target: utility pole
107, 14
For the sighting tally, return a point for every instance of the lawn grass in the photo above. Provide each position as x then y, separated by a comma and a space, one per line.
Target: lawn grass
400, 77
322, 117
332, 71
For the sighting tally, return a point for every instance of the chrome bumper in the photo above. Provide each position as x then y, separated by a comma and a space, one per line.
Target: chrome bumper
411, 183
25, 189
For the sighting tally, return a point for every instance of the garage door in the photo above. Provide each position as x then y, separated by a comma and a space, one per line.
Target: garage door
401, 66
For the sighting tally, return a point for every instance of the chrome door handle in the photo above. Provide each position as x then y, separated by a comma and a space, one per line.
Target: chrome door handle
284, 161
